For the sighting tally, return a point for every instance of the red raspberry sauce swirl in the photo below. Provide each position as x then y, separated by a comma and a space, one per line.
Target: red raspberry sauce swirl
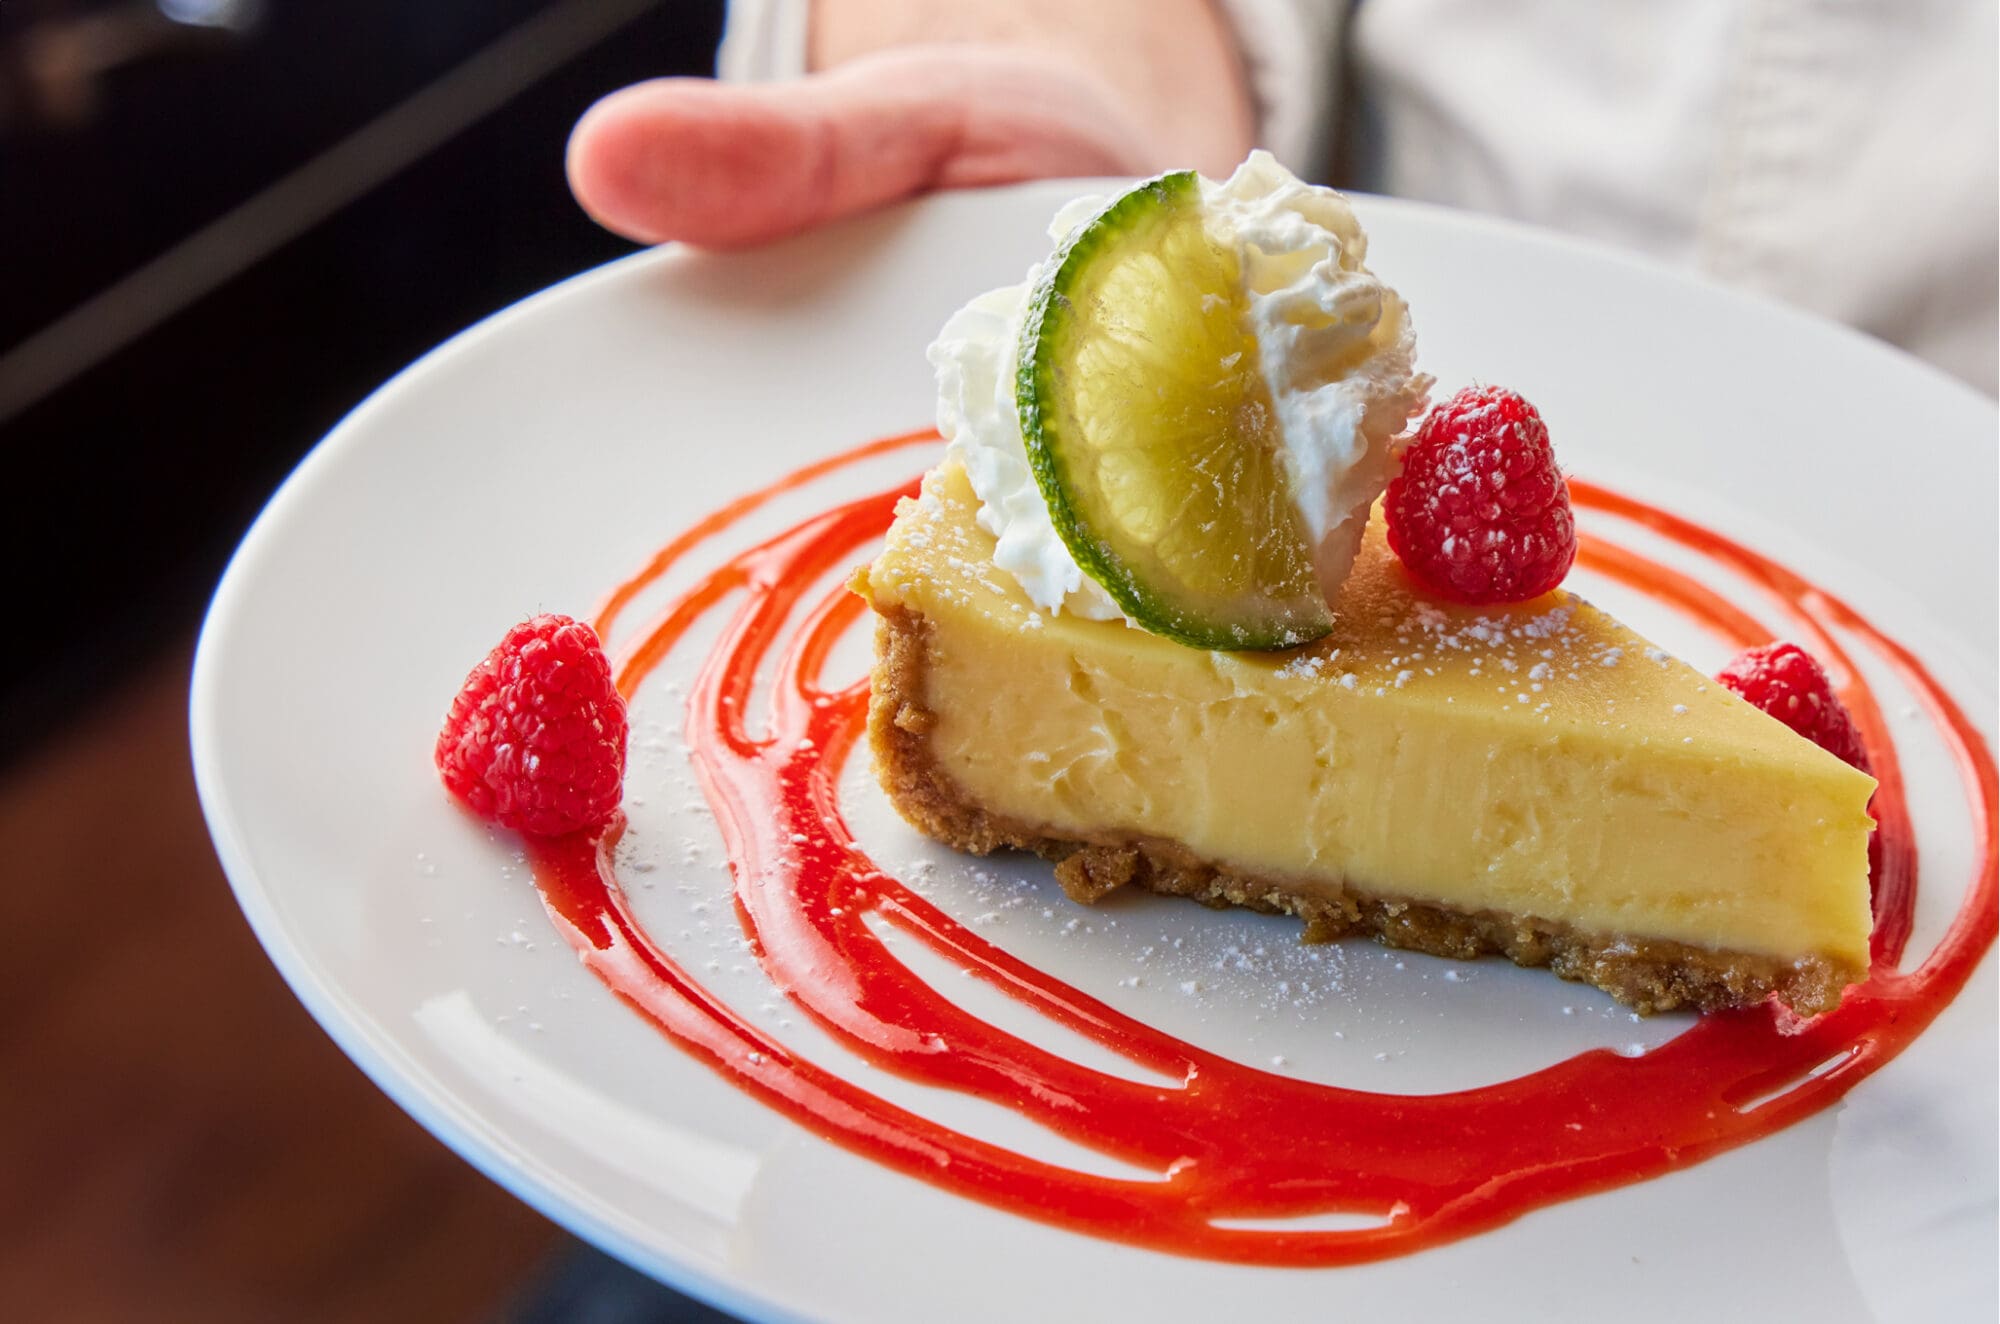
1231, 1142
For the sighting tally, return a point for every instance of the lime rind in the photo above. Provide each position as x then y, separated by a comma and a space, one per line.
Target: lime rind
1151, 434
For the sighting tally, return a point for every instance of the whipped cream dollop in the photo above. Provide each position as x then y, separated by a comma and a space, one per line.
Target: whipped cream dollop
1334, 343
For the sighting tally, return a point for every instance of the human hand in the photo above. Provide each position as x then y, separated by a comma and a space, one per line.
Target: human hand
726, 165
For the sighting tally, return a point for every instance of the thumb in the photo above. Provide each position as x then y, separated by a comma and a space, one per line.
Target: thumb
724, 165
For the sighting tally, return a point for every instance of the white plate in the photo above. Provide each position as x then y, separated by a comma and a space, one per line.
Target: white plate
538, 459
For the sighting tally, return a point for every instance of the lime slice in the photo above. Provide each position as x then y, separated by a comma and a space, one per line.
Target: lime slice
1151, 432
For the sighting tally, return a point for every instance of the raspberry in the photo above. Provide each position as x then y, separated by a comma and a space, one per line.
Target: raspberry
1480, 512
535, 741
1788, 683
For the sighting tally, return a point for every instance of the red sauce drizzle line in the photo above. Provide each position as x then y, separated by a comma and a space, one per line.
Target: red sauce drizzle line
1220, 1140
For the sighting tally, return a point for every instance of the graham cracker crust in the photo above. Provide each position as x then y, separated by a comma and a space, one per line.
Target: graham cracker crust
1647, 975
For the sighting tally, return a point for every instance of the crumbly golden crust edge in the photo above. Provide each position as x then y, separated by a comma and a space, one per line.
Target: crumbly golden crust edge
1646, 974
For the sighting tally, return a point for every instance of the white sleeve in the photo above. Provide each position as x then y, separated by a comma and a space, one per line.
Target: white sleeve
1290, 54
763, 41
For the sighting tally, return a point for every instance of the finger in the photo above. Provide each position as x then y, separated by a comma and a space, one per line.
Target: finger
727, 165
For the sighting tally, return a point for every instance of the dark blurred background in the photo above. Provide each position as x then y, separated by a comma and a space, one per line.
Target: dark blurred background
222, 223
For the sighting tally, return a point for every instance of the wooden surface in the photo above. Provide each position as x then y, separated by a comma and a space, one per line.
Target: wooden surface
178, 1140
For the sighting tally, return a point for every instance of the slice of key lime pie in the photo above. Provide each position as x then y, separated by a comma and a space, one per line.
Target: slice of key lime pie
1146, 619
